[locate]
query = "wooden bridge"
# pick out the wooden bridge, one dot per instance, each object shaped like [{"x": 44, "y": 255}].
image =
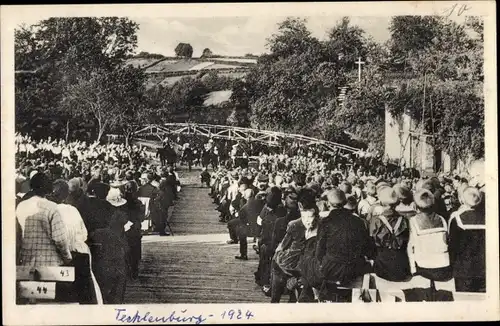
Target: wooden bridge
[{"x": 272, "y": 138}]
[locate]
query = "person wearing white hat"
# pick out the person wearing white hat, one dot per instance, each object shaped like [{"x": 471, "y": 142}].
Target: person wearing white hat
[
  {"x": 115, "y": 198},
  {"x": 467, "y": 244}
]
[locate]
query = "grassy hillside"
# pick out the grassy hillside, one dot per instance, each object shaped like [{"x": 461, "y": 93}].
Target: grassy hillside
[{"x": 167, "y": 70}]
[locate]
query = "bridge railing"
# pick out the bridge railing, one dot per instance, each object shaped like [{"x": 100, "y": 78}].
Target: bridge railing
[{"x": 239, "y": 133}]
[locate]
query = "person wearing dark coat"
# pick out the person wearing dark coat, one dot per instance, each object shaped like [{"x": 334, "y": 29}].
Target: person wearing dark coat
[
  {"x": 285, "y": 263},
  {"x": 243, "y": 221},
  {"x": 205, "y": 178},
  {"x": 148, "y": 190},
  {"x": 109, "y": 256},
  {"x": 94, "y": 208},
  {"x": 135, "y": 211},
  {"x": 251, "y": 211},
  {"x": 281, "y": 224},
  {"x": 160, "y": 206},
  {"x": 172, "y": 181},
  {"x": 188, "y": 156},
  {"x": 343, "y": 244},
  {"x": 467, "y": 244},
  {"x": 234, "y": 224},
  {"x": 272, "y": 211}
]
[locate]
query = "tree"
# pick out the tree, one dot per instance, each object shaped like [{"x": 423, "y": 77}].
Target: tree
[
  {"x": 207, "y": 53},
  {"x": 412, "y": 33},
  {"x": 112, "y": 99},
  {"x": 289, "y": 86},
  {"x": 129, "y": 94},
  {"x": 57, "y": 55},
  {"x": 346, "y": 43},
  {"x": 184, "y": 50},
  {"x": 214, "y": 82},
  {"x": 293, "y": 37},
  {"x": 187, "y": 96},
  {"x": 105, "y": 44},
  {"x": 449, "y": 67}
]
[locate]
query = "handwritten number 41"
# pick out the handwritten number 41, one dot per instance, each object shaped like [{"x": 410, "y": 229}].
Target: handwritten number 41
[{"x": 236, "y": 315}]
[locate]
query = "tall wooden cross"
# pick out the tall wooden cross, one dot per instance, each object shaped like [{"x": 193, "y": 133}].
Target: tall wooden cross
[{"x": 359, "y": 63}]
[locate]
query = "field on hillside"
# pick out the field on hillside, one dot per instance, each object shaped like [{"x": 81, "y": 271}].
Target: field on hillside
[
  {"x": 174, "y": 65},
  {"x": 140, "y": 62},
  {"x": 169, "y": 81},
  {"x": 242, "y": 60},
  {"x": 216, "y": 66}
]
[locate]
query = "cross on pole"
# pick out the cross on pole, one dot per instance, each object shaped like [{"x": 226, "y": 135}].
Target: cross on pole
[{"x": 359, "y": 63}]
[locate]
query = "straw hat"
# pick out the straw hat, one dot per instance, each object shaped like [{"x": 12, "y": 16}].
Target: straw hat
[
  {"x": 471, "y": 197},
  {"x": 387, "y": 196},
  {"x": 424, "y": 199},
  {"x": 115, "y": 198}
]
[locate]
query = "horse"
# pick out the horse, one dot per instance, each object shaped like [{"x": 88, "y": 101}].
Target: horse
[{"x": 167, "y": 155}]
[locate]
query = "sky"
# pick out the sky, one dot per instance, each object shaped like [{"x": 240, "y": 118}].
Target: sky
[{"x": 234, "y": 35}]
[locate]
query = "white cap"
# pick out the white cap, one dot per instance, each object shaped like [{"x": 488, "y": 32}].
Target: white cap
[{"x": 32, "y": 174}]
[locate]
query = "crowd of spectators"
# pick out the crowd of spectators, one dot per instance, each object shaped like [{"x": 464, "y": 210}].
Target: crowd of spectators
[
  {"x": 84, "y": 206},
  {"x": 318, "y": 221},
  {"x": 318, "y": 227}
]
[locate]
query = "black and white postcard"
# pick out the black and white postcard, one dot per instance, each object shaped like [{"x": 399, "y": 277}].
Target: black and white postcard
[{"x": 249, "y": 163}]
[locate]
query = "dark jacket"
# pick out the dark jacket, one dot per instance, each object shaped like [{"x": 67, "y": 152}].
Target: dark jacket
[
  {"x": 467, "y": 245},
  {"x": 248, "y": 214},
  {"x": 135, "y": 214},
  {"x": 391, "y": 261},
  {"x": 343, "y": 243},
  {"x": 269, "y": 217},
  {"x": 148, "y": 191},
  {"x": 95, "y": 212},
  {"x": 238, "y": 202},
  {"x": 159, "y": 206},
  {"x": 280, "y": 226}
]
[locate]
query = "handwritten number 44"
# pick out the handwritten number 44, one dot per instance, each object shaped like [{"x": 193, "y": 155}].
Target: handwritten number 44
[
  {"x": 236, "y": 314},
  {"x": 41, "y": 289}
]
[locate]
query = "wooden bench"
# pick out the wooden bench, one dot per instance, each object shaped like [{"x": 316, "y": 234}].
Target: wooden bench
[
  {"x": 39, "y": 284},
  {"x": 396, "y": 288}
]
